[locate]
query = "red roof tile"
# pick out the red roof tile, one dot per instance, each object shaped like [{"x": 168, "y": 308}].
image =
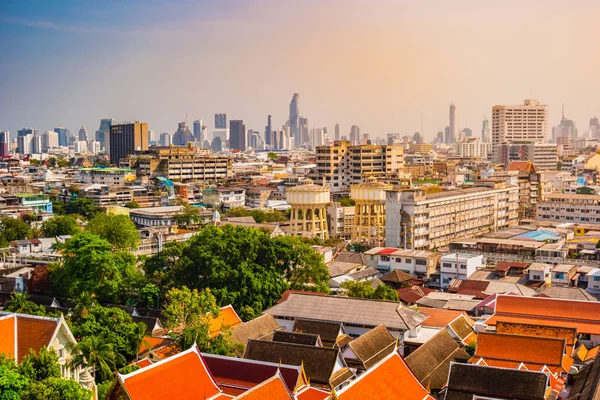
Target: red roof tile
[
  {"x": 505, "y": 265},
  {"x": 227, "y": 318},
  {"x": 34, "y": 333},
  {"x": 387, "y": 250},
  {"x": 273, "y": 389},
  {"x": 312, "y": 393},
  {"x": 7, "y": 335},
  {"x": 440, "y": 318}
]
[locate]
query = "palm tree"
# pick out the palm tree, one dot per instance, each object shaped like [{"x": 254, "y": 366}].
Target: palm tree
[
  {"x": 98, "y": 354},
  {"x": 18, "y": 302}
]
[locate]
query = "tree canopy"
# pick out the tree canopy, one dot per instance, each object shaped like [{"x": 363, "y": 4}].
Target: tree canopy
[
  {"x": 363, "y": 290},
  {"x": 19, "y": 303},
  {"x": 82, "y": 206},
  {"x": 346, "y": 202},
  {"x": 89, "y": 265},
  {"x": 260, "y": 216},
  {"x": 242, "y": 266},
  {"x": 13, "y": 229},
  {"x": 118, "y": 230},
  {"x": 60, "y": 225}
]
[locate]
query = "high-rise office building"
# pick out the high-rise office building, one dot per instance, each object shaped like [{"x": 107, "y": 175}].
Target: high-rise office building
[
  {"x": 102, "y": 133},
  {"x": 83, "y": 136},
  {"x": 565, "y": 132},
  {"x": 4, "y": 143},
  {"x": 151, "y": 137},
  {"x": 127, "y": 138},
  {"x": 594, "y": 127},
  {"x": 294, "y": 121},
  {"x": 198, "y": 131},
  {"x": 338, "y": 132},
  {"x": 268, "y": 132},
  {"x": 354, "y": 135},
  {"x": 49, "y": 140},
  {"x": 63, "y": 134},
  {"x": 220, "y": 121},
  {"x": 165, "y": 139},
  {"x": 525, "y": 123},
  {"x": 485, "y": 130},
  {"x": 417, "y": 138},
  {"x": 183, "y": 135},
  {"x": 237, "y": 135},
  {"x": 452, "y": 124},
  {"x": 26, "y": 131},
  {"x": 24, "y": 144},
  {"x": 303, "y": 129}
]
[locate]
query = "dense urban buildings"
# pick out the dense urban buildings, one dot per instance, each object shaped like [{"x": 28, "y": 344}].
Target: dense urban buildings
[{"x": 126, "y": 139}]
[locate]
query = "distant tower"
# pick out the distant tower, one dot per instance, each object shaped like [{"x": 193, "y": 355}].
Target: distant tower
[
  {"x": 485, "y": 131},
  {"x": 294, "y": 119},
  {"x": 354, "y": 135},
  {"x": 220, "y": 121},
  {"x": 369, "y": 212},
  {"x": 338, "y": 131},
  {"x": 308, "y": 217},
  {"x": 198, "y": 131},
  {"x": 268, "y": 133},
  {"x": 83, "y": 134},
  {"x": 452, "y": 125}
]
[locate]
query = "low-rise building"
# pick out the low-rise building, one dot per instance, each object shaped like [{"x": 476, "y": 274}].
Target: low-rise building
[
  {"x": 340, "y": 220},
  {"x": 458, "y": 266},
  {"x": 564, "y": 275},
  {"x": 107, "y": 176},
  {"x": 565, "y": 207},
  {"x": 226, "y": 197},
  {"x": 420, "y": 263}
]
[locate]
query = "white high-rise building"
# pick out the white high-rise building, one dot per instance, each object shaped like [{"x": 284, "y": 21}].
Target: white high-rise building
[
  {"x": 473, "y": 147},
  {"x": 49, "y": 140},
  {"x": 338, "y": 132},
  {"x": 80, "y": 146},
  {"x": 453, "y": 127},
  {"x": 527, "y": 123}
]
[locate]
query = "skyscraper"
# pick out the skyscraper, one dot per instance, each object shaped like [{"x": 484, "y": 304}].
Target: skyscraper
[
  {"x": 182, "y": 135},
  {"x": 565, "y": 132},
  {"x": 237, "y": 135},
  {"x": 523, "y": 124},
  {"x": 165, "y": 139},
  {"x": 198, "y": 131},
  {"x": 102, "y": 133},
  {"x": 49, "y": 140},
  {"x": 220, "y": 121},
  {"x": 4, "y": 143},
  {"x": 268, "y": 131},
  {"x": 452, "y": 125},
  {"x": 26, "y": 131},
  {"x": 417, "y": 138},
  {"x": 338, "y": 131},
  {"x": 485, "y": 130},
  {"x": 594, "y": 127},
  {"x": 294, "y": 120},
  {"x": 83, "y": 134},
  {"x": 354, "y": 135},
  {"x": 127, "y": 138},
  {"x": 303, "y": 129},
  {"x": 62, "y": 135}
]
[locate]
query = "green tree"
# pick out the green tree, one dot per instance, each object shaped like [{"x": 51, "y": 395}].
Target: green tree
[
  {"x": 260, "y": 216},
  {"x": 148, "y": 296},
  {"x": 113, "y": 326},
  {"x": 346, "y": 202},
  {"x": 13, "y": 229},
  {"x": 98, "y": 354},
  {"x": 52, "y": 162},
  {"x": 12, "y": 382},
  {"x": 60, "y": 225},
  {"x": 57, "y": 389},
  {"x": 19, "y": 303},
  {"x": 40, "y": 366},
  {"x": 272, "y": 155},
  {"x": 358, "y": 289},
  {"x": 384, "y": 292},
  {"x": 58, "y": 207},
  {"x": 89, "y": 265},
  {"x": 188, "y": 217},
  {"x": 189, "y": 308},
  {"x": 82, "y": 206},
  {"x": 118, "y": 230},
  {"x": 132, "y": 204},
  {"x": 242, "y": 266}
]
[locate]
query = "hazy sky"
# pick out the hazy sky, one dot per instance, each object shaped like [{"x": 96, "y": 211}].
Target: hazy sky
[{"x": 378, "y": 64}]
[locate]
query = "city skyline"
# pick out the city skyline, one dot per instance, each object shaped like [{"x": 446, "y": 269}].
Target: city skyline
[{"x": 407, "y": 61}]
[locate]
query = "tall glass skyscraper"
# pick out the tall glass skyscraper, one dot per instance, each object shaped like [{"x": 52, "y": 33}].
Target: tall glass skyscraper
[{"x": 294, "y": 119}]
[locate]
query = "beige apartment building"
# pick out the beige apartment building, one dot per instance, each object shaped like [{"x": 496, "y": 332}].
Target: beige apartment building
[
  {"x": 568, "y": 207},
  {"x": 419, "y": 221},
  {"x": 526, "y": 123},
  {"x": 340, "y": 221},
  {"x": 341, "y": 165},
  {"x": 182, "y": 164}
]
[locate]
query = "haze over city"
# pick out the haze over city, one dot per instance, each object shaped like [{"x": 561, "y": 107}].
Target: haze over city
[{"x": 381, "y": 65}]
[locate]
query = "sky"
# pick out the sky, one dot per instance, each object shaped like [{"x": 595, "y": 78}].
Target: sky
[{"x": 383, "y": 65}]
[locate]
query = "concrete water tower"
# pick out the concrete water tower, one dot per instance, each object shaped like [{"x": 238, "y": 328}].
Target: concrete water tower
[
  {"x": 369, "y": 211},
  {"x": 308, "y": 216}
]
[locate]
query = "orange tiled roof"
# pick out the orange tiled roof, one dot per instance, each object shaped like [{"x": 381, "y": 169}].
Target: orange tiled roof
[
  {"x": 438, "y": 317},
  {"x": 503, "y": 350},
  {"x": 581, "y": 315},
  {"x": 312, "y": 393},
  {"x": 390, "y": 379},
  {"x": 227, "y": 318},
  {"x": 183, "y": 376},
  {"x": 273, "y": 388},
  {"x": 153, "y": 343},
  {"x": 34, "y": 333},
  {"x": 7, "y": 335}
]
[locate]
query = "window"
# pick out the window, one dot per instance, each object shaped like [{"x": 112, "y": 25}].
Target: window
[
  {"x": 372, "y": 257},
  {"x": 558, "y": 276},
  {"x": 597, "y": 278},
  {"x": 537, "y": 277},
  {"x": 421, "y": 262},
  {"x": 447, "y": 265},
  {"x": 463, "y": 266},
  {"x": 385, "y": 258},
  {"x": 408, "y": 261}
]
